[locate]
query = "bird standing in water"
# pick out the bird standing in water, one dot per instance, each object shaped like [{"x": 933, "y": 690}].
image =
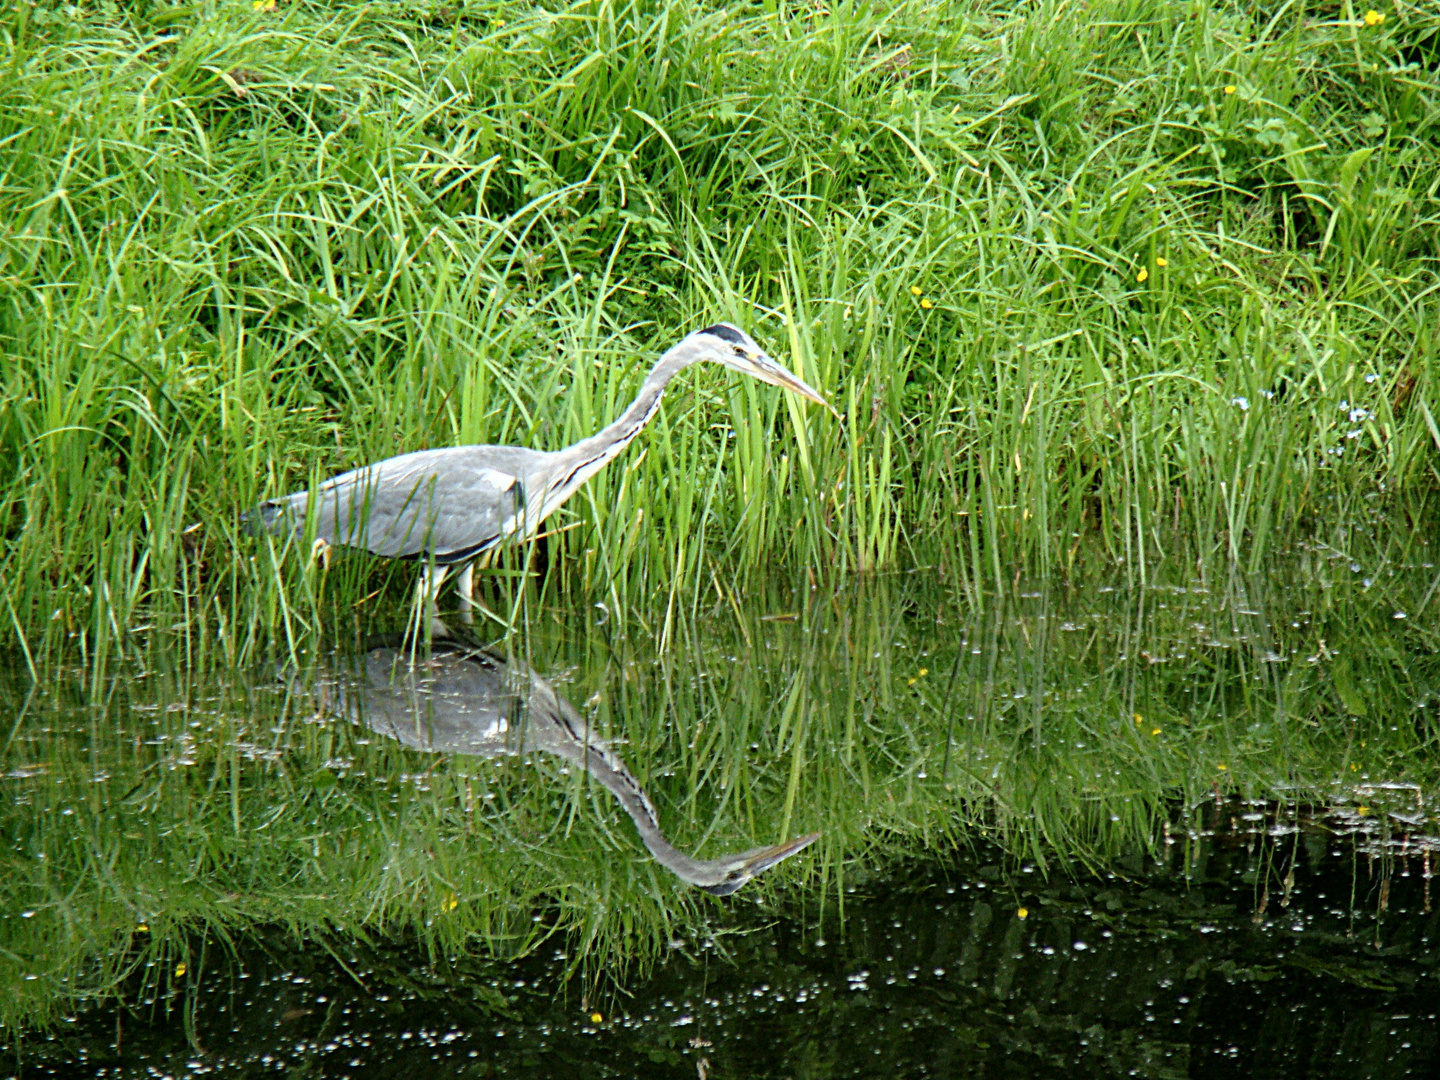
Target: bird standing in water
[{"x": 446, "y": 507}]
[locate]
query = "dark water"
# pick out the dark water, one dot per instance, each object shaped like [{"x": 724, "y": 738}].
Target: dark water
[
  {"x": 1162, "y": 831},
  {"x": 1288, "y": 946},
  {"x": 933, "y": 971}
]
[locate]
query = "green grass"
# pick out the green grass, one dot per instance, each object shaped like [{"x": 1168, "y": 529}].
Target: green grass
[{"x": 242, "y": 250}]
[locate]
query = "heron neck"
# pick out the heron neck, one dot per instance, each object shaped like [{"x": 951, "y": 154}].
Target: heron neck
[
  {"x": 570, "y": 738},
  {"x": 595, "y": 452},
  {"x": 642, "y": 813}
]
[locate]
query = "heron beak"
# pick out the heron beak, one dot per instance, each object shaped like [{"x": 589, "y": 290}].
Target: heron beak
[{"x": 771, "y": 372}]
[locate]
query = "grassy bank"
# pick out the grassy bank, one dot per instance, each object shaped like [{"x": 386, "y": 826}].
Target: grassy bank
[{"x": 1115, "y": 279}]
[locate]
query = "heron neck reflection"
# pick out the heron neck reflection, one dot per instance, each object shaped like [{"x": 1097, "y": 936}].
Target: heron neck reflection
[{"x": 461, "y": 700}]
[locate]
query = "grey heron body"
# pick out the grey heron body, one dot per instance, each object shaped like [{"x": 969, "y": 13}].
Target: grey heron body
[
  {"x": 468, "y": 701},
  {"x": 448, "y": 506}
]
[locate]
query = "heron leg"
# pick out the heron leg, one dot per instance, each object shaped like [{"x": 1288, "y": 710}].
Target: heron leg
[
  {"x": 465, "y": 586},
  {"x": 431, "y": 578},
  {"x": 424, "y": 616}
]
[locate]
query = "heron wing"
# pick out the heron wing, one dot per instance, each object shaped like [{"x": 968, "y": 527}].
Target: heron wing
[{"x": 449, "y": 503}]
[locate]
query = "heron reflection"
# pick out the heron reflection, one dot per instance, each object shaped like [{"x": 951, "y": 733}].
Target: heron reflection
[{"x": 462, "y": 700}]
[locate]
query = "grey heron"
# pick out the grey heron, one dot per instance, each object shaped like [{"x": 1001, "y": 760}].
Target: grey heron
[
  {"x": 461, "y": 700},
  {"x": 447, "y": 506}
]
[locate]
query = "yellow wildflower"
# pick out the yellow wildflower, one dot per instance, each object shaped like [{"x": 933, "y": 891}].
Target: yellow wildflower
[
  {"x": 926, "y": 304},
  {"x": 263, "y": 5},
  {"x": 1373, "y": 18},
  {"x": 1222, "y": 766},
  {"x": 451, "y": 902},
  {"x": 596, "y": 1018},
  {"x": 1142, "y": 275},
  {"x": 1362, "y": 810},
  {"x": 1230, "y": 89},
  {"x": 916, "y": 289},
  {"x": 1161, "y": 263},
  {"x": 1023, "y": 913},
  {"x": 924, "y": 671},
  {"x": 1139, "y": 719},
  {"x": 1155, "y": 731},
  {"x": 179, "y": 969},
  {"x": 142, "y": 929}
]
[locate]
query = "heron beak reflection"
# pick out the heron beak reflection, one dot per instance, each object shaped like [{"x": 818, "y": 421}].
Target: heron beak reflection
[
  {"x": 463, "y": 700},
  {"x": 752, "y": 863}
]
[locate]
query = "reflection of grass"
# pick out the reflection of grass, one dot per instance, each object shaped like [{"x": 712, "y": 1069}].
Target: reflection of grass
[
  {"x": 1081, "y": 279},
  {"x": 200, "y": 806},
  {"x": 1369, "y": 977}
]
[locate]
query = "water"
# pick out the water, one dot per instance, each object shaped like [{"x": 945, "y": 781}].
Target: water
[
  {"x": 933, "y": 972},
  {"x": 1183, "y": 829}
]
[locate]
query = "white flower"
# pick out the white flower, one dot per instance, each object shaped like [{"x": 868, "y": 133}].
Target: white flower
[
  {"x": 1353, "y": 434},
  {"x": 1371, "y": 377},
  {"x": 1359, "y": 415},
  {"x": 1267, "y": 394},
  {"x": 1241, "y": 403}
]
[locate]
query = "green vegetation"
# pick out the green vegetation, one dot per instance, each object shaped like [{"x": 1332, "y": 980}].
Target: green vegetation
[
  {"x": 1137, "y": 288},
  {"x": 1101, "y": 280}
]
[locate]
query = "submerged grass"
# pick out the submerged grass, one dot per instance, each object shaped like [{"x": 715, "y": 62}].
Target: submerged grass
[
  {"x": 175, "y": 807},
  {"x": 1087, "y": 281}
]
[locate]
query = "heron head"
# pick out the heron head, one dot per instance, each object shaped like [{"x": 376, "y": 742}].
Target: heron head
[
  {"x": 731, "y": 346},
  {"x": 723, "y": 876}
]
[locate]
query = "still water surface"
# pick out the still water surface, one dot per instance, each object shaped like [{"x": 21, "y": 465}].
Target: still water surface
[{"x": 1174, "y": 829}]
